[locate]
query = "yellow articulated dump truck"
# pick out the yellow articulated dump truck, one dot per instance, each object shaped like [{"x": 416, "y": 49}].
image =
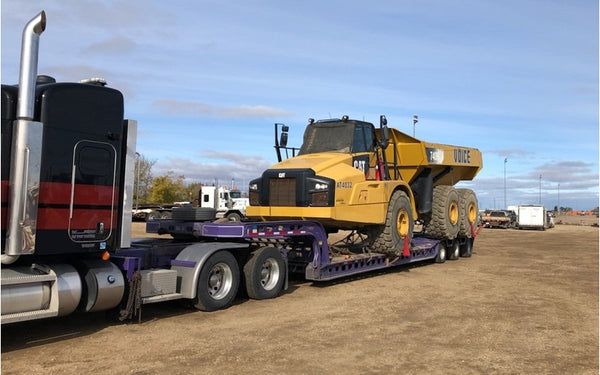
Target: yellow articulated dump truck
[{"x": 379, "y": 182}]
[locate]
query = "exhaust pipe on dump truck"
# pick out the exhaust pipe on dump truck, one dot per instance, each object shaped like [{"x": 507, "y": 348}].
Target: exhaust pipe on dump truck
[{"x": 26, "y": 151}]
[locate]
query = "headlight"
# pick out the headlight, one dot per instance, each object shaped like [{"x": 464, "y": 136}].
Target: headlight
[
  {"x": 319, "y": 186},
  {"x": 253, "y": 186}
]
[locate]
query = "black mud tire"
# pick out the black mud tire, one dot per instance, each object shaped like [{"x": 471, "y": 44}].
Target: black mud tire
[
  {"x": 441, "y": 255},
  {"x": 399, "y": 223},
  {"x": 453, "y": 252},
  {"x": 218, "y": 282},
  {"x": 264, "y": 273},
  {"x": 466, "y": 249},
  {"x": 443, "y": 222},
  {"x": 468, "y": 210}
]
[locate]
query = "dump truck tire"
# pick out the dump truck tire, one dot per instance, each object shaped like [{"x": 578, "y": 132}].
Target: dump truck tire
[
  {"x": 468, "y": 209},
  {"x": 443, "y": 223},
  {"x": 389, "y": 238}
]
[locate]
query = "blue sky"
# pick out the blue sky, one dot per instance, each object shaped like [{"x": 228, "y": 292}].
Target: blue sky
[{"x": 206, "y": 80}]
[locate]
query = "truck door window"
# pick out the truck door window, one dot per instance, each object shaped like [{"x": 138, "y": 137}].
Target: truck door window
[
  {"x": 363, "y": 138},
  {"x": 93, "y": 193}
]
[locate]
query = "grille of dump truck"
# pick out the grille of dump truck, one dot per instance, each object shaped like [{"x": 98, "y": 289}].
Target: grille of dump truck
[
  {"x": 292, "y": 188},
  {"x": 282, "y": 192}
]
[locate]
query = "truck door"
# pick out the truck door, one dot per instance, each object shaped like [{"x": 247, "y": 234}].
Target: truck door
[
  {"x": 93, "y": 192},
  {"x": 363, "y": 157}
]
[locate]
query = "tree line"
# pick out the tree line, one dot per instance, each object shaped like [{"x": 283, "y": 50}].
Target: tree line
[{"x": 161, "y": 189}]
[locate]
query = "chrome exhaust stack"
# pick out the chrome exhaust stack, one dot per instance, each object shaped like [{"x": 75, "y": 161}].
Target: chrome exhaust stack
[{"x": 26, "y": 151}]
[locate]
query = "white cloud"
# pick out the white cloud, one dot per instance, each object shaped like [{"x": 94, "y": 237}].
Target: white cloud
[{"x": 182, "y": 107}]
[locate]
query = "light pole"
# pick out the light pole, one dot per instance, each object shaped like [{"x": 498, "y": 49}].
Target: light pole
[
  {"x": 415, "y": 120},
  {"x": 137, "y": 185},
  {"x": 540, "y": 202},
  {"x": 505, "y": 161}
]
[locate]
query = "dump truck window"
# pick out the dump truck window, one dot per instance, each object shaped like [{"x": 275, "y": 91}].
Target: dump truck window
[
  {"x": 330, "y": 137},
  {"x": 363, "y": 138}
]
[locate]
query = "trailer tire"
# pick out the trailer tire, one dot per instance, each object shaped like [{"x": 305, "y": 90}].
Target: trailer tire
[
  {"x": 441, "y": 255},
  {"x": 218, "y": 282},
  {"x": 466, "y": 249},
  {"x": 234, "y": 217},
  {"x": 454, "y": 252},
  {"x": 443, "y": 222},
  {"x": 264, "y": 273},
  {"x": 399, "y": 224},
  {"x": 468, "y": 210},
  {"x": 153, "y": 215}
]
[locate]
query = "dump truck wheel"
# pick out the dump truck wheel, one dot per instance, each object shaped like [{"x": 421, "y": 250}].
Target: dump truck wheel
[
  {"x": 389, "y": 238},
  {"x": 443, "y": 222},
  {"x": 264, "y": 273},
  {"x": 218, "y": 282},
  {"x": 468, "y": 209}
]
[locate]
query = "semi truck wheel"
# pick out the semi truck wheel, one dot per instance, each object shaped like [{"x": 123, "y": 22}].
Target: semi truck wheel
[
  {"x": 389, "y": 238},
  {"x": 218, "y": 282},
  {"x": 468, "y": 210},
  {"x": 443, "y": 222},
  {"x": 264, "y": 273}
]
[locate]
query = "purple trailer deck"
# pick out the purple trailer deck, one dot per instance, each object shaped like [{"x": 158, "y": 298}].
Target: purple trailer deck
[{"x": 324, "y": 265}]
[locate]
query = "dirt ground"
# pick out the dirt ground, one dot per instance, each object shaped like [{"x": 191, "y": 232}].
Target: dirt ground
[{"x": 525, "y": 303}]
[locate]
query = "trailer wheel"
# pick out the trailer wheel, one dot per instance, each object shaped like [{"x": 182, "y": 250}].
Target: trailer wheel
[
  {"x": 466, "y": 249},
  {"x": 218, "y": 282},
  {"x": 454, "y": 251},
  {"x": 234, "y": 216},
  {"x": 153, "y": 215},
  {"x": 441, "y": 255},
  {"x": 468, "y": 210},
  {"x": 443, "y": 222},
  {"x": 389, "y": 238},
  {"x": 264, "y": 273}
]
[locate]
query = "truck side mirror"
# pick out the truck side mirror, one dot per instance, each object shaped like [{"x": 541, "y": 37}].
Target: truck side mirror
[
  {"x": 384, "y": 133},
  {"x": 284, "y": 137}
]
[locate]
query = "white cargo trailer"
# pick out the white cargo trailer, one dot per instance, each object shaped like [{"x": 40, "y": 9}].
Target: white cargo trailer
[{"x": 531, "y": 216}]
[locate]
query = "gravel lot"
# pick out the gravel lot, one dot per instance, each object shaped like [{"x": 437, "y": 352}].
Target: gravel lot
[{"x": 525, "y": 303}]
